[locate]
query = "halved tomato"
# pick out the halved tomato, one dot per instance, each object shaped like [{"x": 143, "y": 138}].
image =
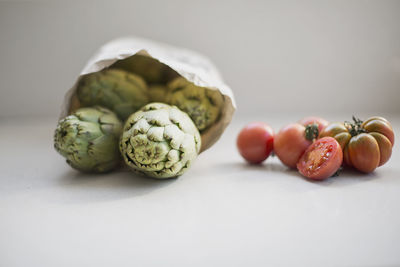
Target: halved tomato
[{"x": 321, "y": 159}]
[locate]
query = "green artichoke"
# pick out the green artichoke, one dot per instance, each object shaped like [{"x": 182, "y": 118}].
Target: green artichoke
[
  {"x": 160, "y": 141},
  {"x": 201, "y": 104},
  {"x": 88, "y": 139},
  {"x": 121, "y": 91}
]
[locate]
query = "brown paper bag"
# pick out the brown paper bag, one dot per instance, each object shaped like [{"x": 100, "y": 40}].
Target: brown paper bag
[{"x": 175, "y": 61}]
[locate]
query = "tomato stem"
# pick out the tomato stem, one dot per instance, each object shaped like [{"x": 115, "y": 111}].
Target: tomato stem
[
  {"x": 355, "y": 127},
  {"x": 311, "y": 132}
]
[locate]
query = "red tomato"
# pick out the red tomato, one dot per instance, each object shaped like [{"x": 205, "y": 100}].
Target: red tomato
[
  {"x": 321, "y": 160},
  {"x": 255, "y": 142},
  {"x": 290, "y": 143},
  {"x": 322, "y": 123}
]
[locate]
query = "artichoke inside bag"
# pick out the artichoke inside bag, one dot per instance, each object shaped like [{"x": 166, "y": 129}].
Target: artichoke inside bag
[
  {"x": 121, "y": 91},
  {"x": 125, "y": 86},
  {"x": 201, "y": 104},
  {"x": 129, "y": 84},
  {"x": 128, "y": 73},
  {"x": 166, "y": 86}
]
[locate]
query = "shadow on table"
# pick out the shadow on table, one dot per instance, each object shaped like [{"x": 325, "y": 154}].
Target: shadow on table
[
  {"x": 243, "y": 167},
  {"x": 346, "y": 177},
  {"x": 74, "y": 186}
]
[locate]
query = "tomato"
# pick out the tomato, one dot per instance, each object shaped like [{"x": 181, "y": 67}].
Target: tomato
[
  {"x": 321, "y": 159},
  {"x": 293, "y": 139},
  {"x": 255, "y": 142},
  {"x": 366, "y": 145},
  {"x": 290, "y": 143},
  {"x": 322, "y": 123}
]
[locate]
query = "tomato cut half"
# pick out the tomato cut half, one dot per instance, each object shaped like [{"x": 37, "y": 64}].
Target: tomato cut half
[{"x": 321, "y": 159}]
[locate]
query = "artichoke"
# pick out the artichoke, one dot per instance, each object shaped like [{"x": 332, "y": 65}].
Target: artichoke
[
  {"x": 121, "y": 91},
  {"x": 201, "y": 104},
  {"x": 88, "y": 139},
  {"x": 160, "y": 141}
]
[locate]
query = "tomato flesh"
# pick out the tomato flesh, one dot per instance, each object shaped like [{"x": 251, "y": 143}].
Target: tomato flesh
[
  {"x": 321, "y": 159},
  {"x": 255, "y": 142}
]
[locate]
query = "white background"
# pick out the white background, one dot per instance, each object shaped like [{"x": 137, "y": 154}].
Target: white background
[
  {"x": 277, "y": 56},
  {"x": 283, "y": 60}
]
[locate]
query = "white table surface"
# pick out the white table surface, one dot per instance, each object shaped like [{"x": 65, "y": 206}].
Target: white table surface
[{"x": 222, "y": 212}]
